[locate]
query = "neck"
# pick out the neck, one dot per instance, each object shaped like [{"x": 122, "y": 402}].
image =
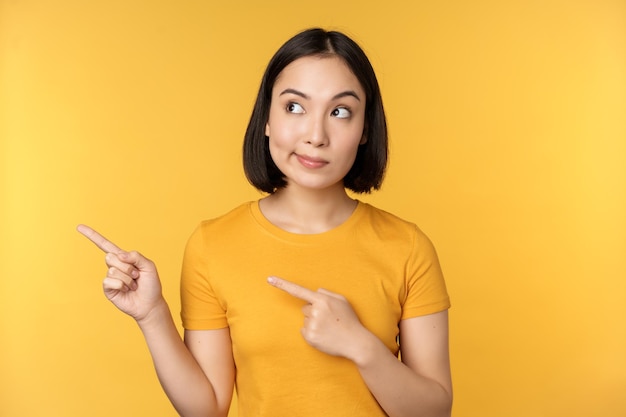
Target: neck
[{"x": 307, "y": 211}]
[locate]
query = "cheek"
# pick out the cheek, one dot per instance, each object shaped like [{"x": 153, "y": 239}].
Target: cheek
[
  {"x": 351, "y": 148},
  {"x": 276, "y": 141},
  {"x": 350, "y": 139},
  {"x": 350, "y": 133},
  {"x": 284, "y": 133},
  {"x": 278, "y": 148}
]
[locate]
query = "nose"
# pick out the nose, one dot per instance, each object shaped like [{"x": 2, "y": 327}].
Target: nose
[{"x": 317, "y": 134}]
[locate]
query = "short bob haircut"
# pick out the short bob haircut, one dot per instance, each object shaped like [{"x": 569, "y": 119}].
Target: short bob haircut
[{"x": 368, "y": 169}]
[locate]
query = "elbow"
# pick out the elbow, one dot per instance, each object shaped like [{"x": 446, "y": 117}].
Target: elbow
[
  {"x": 446, "y": 404},
  {"x": 447, "y": 412},
  {"x": 443, "y": 406}
]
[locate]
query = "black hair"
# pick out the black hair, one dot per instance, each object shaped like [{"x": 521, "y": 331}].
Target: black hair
[{"x": 368, "y": 169}]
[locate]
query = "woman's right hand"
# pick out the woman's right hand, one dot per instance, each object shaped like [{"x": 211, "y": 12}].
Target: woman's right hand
[{"x": 132, "y": 282}]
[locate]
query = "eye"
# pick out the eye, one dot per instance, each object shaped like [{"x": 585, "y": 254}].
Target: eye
[
  {"x": 341, "y": 113},
  {"x": 294, "y": 108}
]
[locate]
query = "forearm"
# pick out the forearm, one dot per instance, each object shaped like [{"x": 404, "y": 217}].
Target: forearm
[
  {"x": 180, "y": 375},
  {"x": 399, "y": 390}
]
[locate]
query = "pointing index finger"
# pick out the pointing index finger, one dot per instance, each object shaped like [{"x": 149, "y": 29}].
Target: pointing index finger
[
  {"x": 293, "y": 289},
  {"x": 99, "y": 240}
]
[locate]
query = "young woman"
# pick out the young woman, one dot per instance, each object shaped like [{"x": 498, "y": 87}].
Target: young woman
[{"x": 305, "y": 299}]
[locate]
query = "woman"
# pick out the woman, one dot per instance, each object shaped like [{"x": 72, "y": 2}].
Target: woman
[{"x": 299, "y": 298}]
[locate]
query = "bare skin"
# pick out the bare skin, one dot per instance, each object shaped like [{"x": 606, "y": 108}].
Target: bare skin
[{"x": 198, "y": 374}]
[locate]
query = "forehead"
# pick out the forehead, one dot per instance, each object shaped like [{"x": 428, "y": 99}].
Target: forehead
[{"x": 314, "y": 74}]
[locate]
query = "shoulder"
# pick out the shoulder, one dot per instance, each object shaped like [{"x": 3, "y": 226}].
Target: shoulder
[
  {"x": 222, "y": 226},
  {"x": 229, "y": 219},
  {"x": 376, "y": 212},
  {"x": 385, "y": 221},
  {"x": 394, "y": 230}
]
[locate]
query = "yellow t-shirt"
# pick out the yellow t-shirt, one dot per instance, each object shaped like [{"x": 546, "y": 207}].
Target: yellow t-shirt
[{"x": 386, "y": 268}]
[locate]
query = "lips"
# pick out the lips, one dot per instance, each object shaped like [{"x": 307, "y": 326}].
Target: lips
[{"x": 311, "y": 161}]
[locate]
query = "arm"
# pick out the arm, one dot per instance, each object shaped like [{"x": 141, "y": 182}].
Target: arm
[
  {"x": 419, "y": 386},
  {"x": 197, "y": 376}
]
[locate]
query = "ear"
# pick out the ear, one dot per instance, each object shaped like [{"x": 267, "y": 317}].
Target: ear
[
  {"x": 267, "y": 129},
  {"x": 363, "y": 140}
]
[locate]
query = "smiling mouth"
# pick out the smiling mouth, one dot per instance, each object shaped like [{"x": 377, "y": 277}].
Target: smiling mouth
[{"x": 311, "y": 162}]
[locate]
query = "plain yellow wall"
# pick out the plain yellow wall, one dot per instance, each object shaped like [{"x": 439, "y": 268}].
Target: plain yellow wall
[{"x": 508, "y": 131}]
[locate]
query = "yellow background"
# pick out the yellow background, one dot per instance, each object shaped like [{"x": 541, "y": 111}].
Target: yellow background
[{"x": 508, "y": 136}]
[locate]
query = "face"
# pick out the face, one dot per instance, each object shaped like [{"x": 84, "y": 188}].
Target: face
[{"x": 316, "y": 122}]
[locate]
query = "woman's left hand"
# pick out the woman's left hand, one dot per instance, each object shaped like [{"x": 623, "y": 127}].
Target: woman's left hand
[{"x": 330, "y": 323}]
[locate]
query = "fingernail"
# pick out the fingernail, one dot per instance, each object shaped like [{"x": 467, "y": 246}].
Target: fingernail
[
  {"x": 134, "y": 273},
  {"x": 271, "y": 280}
]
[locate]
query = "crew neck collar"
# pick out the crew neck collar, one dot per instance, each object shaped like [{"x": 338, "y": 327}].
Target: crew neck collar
[{"x": 271, "y": 228}]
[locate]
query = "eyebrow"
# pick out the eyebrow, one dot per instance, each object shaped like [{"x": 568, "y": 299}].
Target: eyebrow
[{"x": 348, "y": 93}]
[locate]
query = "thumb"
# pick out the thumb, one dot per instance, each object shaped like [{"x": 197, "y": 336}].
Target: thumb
[{"x": 138, "y": 260}]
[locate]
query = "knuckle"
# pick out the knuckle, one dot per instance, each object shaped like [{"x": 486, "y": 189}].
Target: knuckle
[
  {"x": 324, "y": 303},
  {"x": 110, "y": 284}
]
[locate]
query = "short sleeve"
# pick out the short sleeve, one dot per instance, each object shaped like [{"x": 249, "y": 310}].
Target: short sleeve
[
  {"x": 200, "y": 306},
  {"x": 426, "y": 291}
]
